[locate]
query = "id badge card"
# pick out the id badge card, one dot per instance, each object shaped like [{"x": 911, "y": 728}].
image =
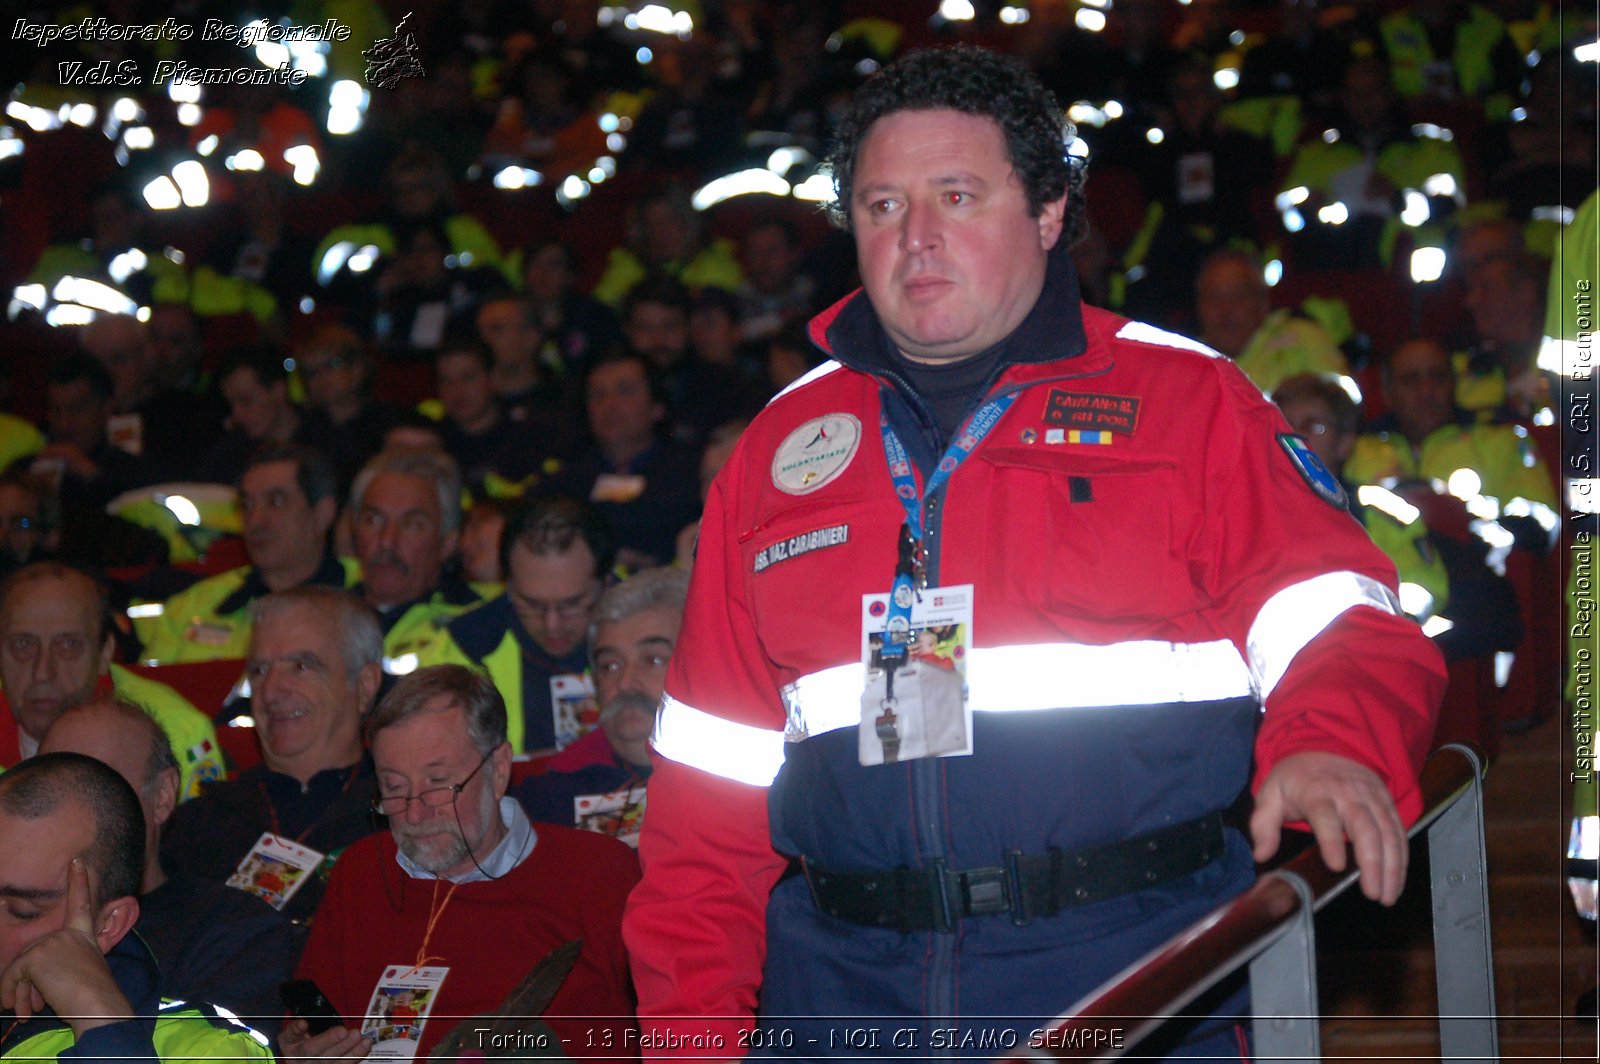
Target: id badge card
[
  {"x": 275, "y": 869},
  {"x": 208, "y": 633},
  {"x": 574, "y": 707},
  {"x": 399, "y": 1010},
  {"x": 125, "y": 432},
  {"x": 922, "y": 710},
  {"x": 617, "y": 487},
  {"x": 620, "y": 816}
]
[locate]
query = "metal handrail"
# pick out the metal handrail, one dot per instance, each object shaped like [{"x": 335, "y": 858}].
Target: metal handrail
[{"x": 1269, "y": 926}]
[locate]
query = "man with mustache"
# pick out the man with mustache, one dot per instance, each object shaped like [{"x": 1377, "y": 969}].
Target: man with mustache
[
  {"x": 598, "y": 782},
  {"x": 314, "y": 672},
  {"x": 405, "y": 507}
]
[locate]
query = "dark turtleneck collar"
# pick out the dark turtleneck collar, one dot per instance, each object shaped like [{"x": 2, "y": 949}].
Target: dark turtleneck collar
[{"x": 1052, "y": 330}]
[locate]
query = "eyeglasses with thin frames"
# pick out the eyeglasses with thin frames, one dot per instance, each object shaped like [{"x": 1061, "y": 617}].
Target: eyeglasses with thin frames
[{"x": 432, "y": 798}]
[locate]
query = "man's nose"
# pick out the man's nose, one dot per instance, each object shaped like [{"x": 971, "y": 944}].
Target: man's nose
[
  {"x": 44, "y": 664},
  {"x": 416, "y": 812},
  {"x": 631, "y": 679},
  {"x": 920, "y": 229}
]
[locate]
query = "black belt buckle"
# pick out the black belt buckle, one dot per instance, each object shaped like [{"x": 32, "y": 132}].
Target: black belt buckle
[{"x": 985, "y": 891}]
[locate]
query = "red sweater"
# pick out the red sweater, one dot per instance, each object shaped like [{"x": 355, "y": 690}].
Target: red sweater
[{"x": 491, "y": 934}]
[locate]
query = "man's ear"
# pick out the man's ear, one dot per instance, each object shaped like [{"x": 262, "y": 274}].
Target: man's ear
[
  {"x": 166, "y": 797},
  {"x": 1051, "y": 221},
  {"x": 368, "y": 681},
  {"x": 108, "y": 654},
  {"x": 500, "y": 765},
  {"x": 115, "y": 919}
]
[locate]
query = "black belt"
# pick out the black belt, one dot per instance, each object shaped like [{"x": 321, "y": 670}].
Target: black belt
[{"x": 935, "y": 898}]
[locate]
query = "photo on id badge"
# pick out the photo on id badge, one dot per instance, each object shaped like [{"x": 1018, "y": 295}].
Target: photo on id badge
[
  {"x": 915, "y": 703},
  {"x": 399, "y": 1010},
  {"x": 619, "y": 814},
  {"x": 574, "y": 707},
  {"x": 275, "y": 869}
]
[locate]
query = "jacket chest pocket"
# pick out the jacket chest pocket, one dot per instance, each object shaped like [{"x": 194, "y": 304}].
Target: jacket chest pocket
[
  {"x": 807, "y": 567},
  {"x": 1081, "y": 536}
]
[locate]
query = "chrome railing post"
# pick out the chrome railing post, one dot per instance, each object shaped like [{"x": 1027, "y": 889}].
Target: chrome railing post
[
  {"x": 1462, "y": 957},
  {"x": 1283, "y": 987}
]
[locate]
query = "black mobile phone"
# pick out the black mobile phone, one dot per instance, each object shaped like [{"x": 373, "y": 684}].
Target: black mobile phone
[{"x": 305, "y": 999}]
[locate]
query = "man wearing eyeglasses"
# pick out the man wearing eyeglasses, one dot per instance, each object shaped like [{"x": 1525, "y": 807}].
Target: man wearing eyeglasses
[
  {"x": 406, "y": 510},
  {"x": 556, "y": 553},
  {"x": 598, "y": 783},
  {"x": 463, "y": 892},
  {"x": 314, "y": 673}
]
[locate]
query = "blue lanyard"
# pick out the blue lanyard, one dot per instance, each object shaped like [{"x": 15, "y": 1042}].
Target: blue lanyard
[{"x": 902, "y": 592}]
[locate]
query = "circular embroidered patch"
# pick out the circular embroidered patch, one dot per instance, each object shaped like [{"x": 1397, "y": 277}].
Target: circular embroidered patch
[{"x": 815, "y": 453}]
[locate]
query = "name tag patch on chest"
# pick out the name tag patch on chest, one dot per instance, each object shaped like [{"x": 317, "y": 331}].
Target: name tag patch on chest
[
  {"x": 793, "y": 547},
  {"x": 1091, "y": 417}
]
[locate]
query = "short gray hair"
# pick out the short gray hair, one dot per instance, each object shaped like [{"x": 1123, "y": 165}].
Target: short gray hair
[
  {"x": 425, "y": 463},
  {"x": 469, "y": 689},
  {"x": 664, "y": 587},
  {"x": 360, "y": 633}
]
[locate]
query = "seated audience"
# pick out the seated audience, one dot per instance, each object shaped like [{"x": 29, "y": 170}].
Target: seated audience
[
  {"x": 406, "y": 507},
  {"x": 56, "y": 644},
  {"x": 340, "y": 418},
  {"x": 72, "y": 845},
  {"x": 514, "y": 894},
  {"x": 480, "y": 541},
  {"x": 775, "y": 294},
  {"x": 213, "y": 943},
  {"x": 1425, "y": 435},
  {"x": 598, "y": 783},
  {"x": 29, "y": 529},
  {"x": 261, "y": 412},
  {"x": 489, "y": 447},
  {"x": 87, "y": 467},
  {"x": 531, "y": 392},
  {"x": 288, "y": 501},
  {"x": 646, "y": 487},
  {"x": 1236, "y": 317},
  {"x": 1497, "y": 377},
  {"x": 576, "y": 326},
  {"x": 277, "y": 829},
  {"x": 667, "y": 236},
  {"x": 1443, "y": 568},
  {"x": 556, "y": 553}
]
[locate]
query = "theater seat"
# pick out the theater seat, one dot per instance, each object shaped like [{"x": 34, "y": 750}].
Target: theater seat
[{"x": 207, "y": 684}]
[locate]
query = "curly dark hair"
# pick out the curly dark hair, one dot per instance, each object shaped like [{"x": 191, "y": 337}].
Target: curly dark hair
[{"x": 973, "y": 81}]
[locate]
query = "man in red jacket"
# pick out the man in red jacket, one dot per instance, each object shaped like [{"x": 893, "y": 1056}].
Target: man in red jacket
[{"x": 1149, "y": 586}]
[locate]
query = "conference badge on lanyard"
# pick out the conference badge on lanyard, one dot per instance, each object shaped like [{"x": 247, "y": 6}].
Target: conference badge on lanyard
[
  {"x": 399, "y": 1010},
  {"x": 275, "y": 868},
  {"x": 915, "y": 703}
]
